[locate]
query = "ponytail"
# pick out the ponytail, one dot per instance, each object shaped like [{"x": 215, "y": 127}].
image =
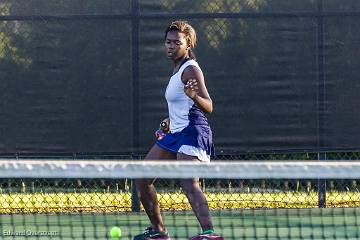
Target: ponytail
[{"x": 191, "y": 54}]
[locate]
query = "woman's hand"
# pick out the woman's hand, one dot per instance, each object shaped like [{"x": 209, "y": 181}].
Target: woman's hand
[
  {"x": 191, "y": 88},
  {"x": 163, "y": 129},
  {"x": 165, "y": 125}
]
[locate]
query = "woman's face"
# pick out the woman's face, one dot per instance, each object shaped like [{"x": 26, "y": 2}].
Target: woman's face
[{"x": 175, "y": 45}]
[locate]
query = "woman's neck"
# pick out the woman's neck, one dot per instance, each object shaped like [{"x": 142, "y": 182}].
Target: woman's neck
[{"x": 180, "y": 61}]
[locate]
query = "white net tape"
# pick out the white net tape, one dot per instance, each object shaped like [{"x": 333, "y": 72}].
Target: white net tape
[{"x": 176, "y": 169}]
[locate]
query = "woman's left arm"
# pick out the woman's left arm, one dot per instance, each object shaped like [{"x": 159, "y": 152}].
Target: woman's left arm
[{"x": 195, "y": 88}]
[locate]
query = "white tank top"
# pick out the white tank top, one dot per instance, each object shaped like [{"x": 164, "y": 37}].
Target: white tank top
[{"x": 179, "y": 104}]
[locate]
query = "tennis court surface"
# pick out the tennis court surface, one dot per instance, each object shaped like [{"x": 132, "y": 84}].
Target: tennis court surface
[{"x": 52, "y": 199}]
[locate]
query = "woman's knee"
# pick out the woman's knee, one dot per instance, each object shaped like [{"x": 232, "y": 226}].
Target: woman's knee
[
  {"x": 143, "y": 183},
  {"x": 189, "y": 185}
]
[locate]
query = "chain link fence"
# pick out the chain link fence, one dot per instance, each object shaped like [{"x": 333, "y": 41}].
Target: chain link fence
[
  {"x": 94, "y": 195},
  {"x": 111, "y": 195},
  {"x": 63, "y": 93},
  {"x": 76, "y": 72}
]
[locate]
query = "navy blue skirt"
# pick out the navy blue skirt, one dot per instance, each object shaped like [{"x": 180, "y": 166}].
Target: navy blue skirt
[{"x": 198, "y": 136}]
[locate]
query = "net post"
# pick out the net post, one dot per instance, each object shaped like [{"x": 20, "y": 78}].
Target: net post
[{"x": 321, "y": 185}]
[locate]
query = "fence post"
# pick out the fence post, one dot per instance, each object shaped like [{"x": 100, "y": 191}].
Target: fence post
[
  {"x": 321, "y": 99},
  {"x": 321, "y": 185},
  {"x": 135, "y": 201},
  {"x": 135, "y": 22}
]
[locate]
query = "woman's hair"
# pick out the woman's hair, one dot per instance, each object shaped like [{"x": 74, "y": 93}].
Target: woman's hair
[{"x": 189, "y": 32}]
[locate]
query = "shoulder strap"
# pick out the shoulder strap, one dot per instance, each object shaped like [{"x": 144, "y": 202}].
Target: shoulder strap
[{"x": 188, "y": 63}]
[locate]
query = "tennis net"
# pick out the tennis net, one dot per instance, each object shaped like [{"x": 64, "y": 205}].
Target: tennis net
[{"x": 84, "y": 199}]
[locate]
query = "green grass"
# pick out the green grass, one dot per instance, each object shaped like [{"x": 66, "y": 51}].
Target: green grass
[
  {"x": 333, "y": 223},
  {"x": 280, "y": 215}
]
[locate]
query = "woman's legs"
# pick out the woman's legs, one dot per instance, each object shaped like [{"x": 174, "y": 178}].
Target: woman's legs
[
  {"x": 147, "y": 190},
  {"x": 196, "y": 197}
]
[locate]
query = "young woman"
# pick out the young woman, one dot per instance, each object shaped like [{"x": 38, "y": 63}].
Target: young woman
[{"x": 189, "y": 138}]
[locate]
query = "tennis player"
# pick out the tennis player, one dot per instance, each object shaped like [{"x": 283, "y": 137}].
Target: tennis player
[{"x": 189, "y": 138}]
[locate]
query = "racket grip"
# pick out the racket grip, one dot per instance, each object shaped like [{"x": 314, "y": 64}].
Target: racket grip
[{"x": 159, "y": 134}]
